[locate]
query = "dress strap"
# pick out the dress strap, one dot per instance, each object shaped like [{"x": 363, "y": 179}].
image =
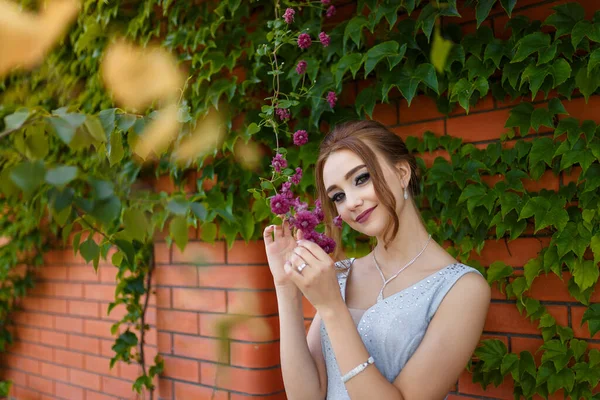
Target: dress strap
[{"x": 343, "y": 270}]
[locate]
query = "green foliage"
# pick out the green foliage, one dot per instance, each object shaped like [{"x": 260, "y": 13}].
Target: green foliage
[{"x": 73, "y": 166}]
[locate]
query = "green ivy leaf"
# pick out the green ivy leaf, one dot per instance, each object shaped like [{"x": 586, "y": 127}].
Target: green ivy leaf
[
  {"x": 565, "y": 17},
  {"x": 390, "y": 50},
  {"x": 247, "y": 226},
  {"x": 106, "y": 211},
  {"x": 542, "y": 150},
  {"x": 16, "y": 120},
  {"x": 115, "y": 148},
  {"x": 587, "y": 84},
  {"x": 532, "y": 270},
  {"x": 541, "y": 116},
  {"x": 546, "y": 213},
  {"x": 136, "y": 224},
  {"x": 495, "y": 51},
  {"x": 491, "y": 352},
  {"x": 351, "y": 61},
  {"x": 586, "y": 273},
  {"x": 426, "y": 20},
  {"x": 557, "y": 353},
  {"x": 95, "y": 128},
  {"x": 89, "y": 249},
  {"x": 28, "y": 176},
  {"x": 178, "y": 229},
  {"x": 440, "y": 50},
  {"x": 199, "y": 210},
  {"x": 483, "y": 10},
  {"x": 510, "y": 363},
  {"x": 354, "y": 29},
  {"x": 579, "y": 31},
  {"x": 537, "y": 42},
  {"x": 520, "y": 117},
  {"x": 498, "y": 271},
  {"x": 508, "y": 6},
  {"x": 578, "y": 347},
  {"x": 565, "y": 378},
  {"x": 208, "y": 232},
  {"x": 366, "y": 100},
  {"x": 62, "y": 175},
  {"x": 555, "y": 106},
  {"x": 107, "y": 119},
  {"x": 178, "y": 206}
]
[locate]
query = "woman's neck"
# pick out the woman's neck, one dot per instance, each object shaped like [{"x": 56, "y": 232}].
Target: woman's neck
[{"x": 408, "y": 243}]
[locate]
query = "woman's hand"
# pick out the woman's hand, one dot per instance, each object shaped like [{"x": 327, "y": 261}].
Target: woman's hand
[
  {"x": 317, "y": 281},
  {"x": 279, "y": 244}
]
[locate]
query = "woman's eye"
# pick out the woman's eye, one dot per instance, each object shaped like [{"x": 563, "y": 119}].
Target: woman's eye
[
  {"x": 362, "y": 178},
  {"x": 337, "y": 197}
]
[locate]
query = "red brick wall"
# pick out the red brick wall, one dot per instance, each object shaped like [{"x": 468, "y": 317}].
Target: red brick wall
[{"x": 63, "y": 341}]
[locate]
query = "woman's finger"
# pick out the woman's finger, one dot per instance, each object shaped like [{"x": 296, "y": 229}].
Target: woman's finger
[
  {"x": 287, "y": 229},
  {"x": 299, "y": 235},
  {"x": 268, "y": 234},
  {"x": 306, "y": 255},
  {"x": 278, "y": 231},
  {"x": 293, "y": 274},
  {"x": 314, "y": 249}
]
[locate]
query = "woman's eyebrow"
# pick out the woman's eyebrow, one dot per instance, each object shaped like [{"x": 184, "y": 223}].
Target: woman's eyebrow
[{"x": 348, "y": 175}]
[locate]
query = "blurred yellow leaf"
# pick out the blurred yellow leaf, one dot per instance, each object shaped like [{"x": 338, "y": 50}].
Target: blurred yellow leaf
[
  {"x": 208, "y": 135},
  {"x": 137, "y": 76},
  {"x": 159, "y": 133},
  {"x": 248, "y": 155},
  {"x": 25, "y": 37},
  {"x": 440, "y": 49}
]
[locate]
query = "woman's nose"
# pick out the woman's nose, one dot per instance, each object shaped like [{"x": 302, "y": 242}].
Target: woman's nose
[{"x": 354, "y": 201}]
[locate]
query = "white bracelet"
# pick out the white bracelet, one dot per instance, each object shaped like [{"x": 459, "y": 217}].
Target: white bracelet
[{"x": 357, "y": 370}]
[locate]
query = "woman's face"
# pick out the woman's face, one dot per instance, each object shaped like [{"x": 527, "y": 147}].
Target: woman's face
[{"x": 349, "y": 186}]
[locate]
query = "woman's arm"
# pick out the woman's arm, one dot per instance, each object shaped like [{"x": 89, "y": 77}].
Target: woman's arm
[
  {"x": 303, "y": 368},
  {"x": 444, "y": 352}
]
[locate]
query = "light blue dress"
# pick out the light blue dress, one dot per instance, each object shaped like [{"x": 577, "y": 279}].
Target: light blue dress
[{"x": 393, "y": 328}]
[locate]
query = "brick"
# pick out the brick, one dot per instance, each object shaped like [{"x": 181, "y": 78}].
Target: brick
[
  {"x": 176, "y": 275},
  {"x": 116, "y": 314},
  {"x": 163, "y": 297},
  {"x": 551, "y": 288},
  {"x": 200, "y": 348},
  {"x": 99, "y": 292},
  {"x": 68, "y": 324},
  {"x": 506, "y": 318},
  {"x": 181, "y": 369},
  {"x": 117, "y": 387},
  {"x": 386, "y": 113},
  {"x": 477, "y": 127},
  {"x": 131, "y": 371},
  {"x": 422, "y": 108},
  {"x": 83, "y": 274},
  {"x": 97, "y": 328},
  {"x": 484, "y": 104},
  {"x": 108, "y": 274},
  {"x": 84, "y": 344},
  {"x": 418, "y": 129},
  {"x": 40, "y": 384},
  {"x": 52, "y": 273},
  {"x": 162, "y": 253},
  {"x": 68, "y": 358},
  {"x": 69, "y": 290},
  {"x": 68, "y": 391},
  {"x": 248, "y": 381},
  {"x": 62, "y": 257},
  {"x": 24, "y": 364},
  {"x": 27, "y": 394},
  {"x": 91, "y": 395},
  {"x": 254, "y": 355},
  {"x": 54, "y": 371},
  {"x": 106, "y": 347},
  {"x": 177, "y": 321},
  {"x": 85, "y": 379},
  {"x": 189, "y": 391},
  {"x": 28, "y": 334},
  {"x": 44, "y": 304},
  {"x": 532, "y": 345},
  {"x": 199, "y": 300},
  {"x": 165, "y": 342},
  {"x": 252, "y": 252},
  {"x": 578, "y": 108},
  {"x": 84, "y": 308},
  {"x": 42, "y": 288},
  {"x": 33, "y": 319},
  {"x": 17, "y": 377},
  {"x": 53, "y": 338},
  {"x": 252, "y": 329},
  {"x": 200, "y": 253},
  {"x": 516, "y": 253},
  {"x": 166, "y": 390},
  {"x": 251, "y": 303},
  {"x": 238, "y": 277}
]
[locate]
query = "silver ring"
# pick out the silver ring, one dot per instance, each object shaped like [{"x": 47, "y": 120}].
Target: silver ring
[{"x": 301, "y": 267}]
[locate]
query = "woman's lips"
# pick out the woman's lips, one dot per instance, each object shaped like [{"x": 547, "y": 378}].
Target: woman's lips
[{"x": 365, "y": 215}]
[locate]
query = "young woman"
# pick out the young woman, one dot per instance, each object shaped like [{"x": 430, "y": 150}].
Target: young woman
[{"x": 399, "y": 323}]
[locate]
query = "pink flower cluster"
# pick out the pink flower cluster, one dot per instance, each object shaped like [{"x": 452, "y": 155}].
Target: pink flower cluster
[
  {"x": 331, "y": 99},
  {"x": 300, "y": 137},
  {"x": 325, "y": 39},
  {"x": 304, "y": 41},
  {"x": 288, "y": 16},
  {"x": 301, "y": 67},
  {"x": 283, "y": 113}
]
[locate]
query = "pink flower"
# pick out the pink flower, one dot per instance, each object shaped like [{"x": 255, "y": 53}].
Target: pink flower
[
  {"x": 278, "y": 162},
  {"x": 301, "y": 67},
  {"x": 325, "y": 2},
  {"x": 283, "y": 113},
  {"x": 300, "y": 137},
  {"x": 280, "y": 204},
  {"x": 304, "y": 41},
  {"x": 288, "y": 16},
  {"x": 325, "y": 242},
  {"x": 295, "y": 179},
  {"x": 286, "y": 190},
  {"x": 330, "y": 12},
  {"x": 337, "y": 221},
  {"x": 305, "y": 221},
  {"x": 299, "y": 205},
  {"x": 331, "y": 99},
  {"x": 325, "y": 39}
]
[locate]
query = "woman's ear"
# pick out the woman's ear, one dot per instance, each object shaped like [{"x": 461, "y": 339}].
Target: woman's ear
[{"x": 404, "y": 171}]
